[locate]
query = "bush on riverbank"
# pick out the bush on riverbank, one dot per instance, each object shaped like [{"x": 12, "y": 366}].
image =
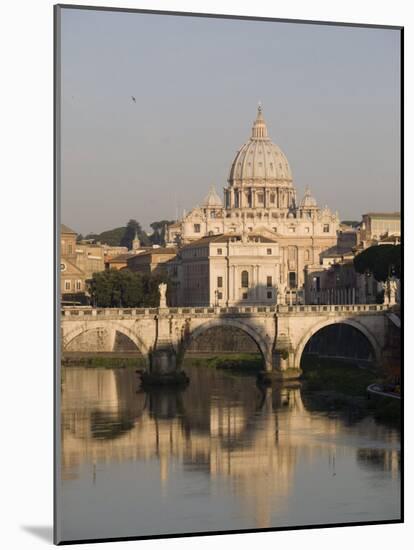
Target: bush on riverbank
[
  {"x": 336, "y": 375},
  {"x": 341, "y": 386},
  {"x": 241, "y": 362},
  {"x": 106, "y": 362}
]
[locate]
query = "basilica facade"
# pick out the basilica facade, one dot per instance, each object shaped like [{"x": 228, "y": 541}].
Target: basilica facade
[{"x": 260, "y": 202}]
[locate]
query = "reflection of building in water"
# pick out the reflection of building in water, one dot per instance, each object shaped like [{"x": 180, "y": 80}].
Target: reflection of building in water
[
  {"x": 381, "y": 459},
  {"x": 225, "y": 426}
]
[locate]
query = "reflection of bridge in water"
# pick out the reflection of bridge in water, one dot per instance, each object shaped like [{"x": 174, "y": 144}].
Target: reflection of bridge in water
[
  {"x": 280, "y": 332},
  {"x": 227, "y": 427}
]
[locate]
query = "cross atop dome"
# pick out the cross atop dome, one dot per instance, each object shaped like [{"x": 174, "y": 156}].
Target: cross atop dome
[{"x": 259, "y": 130}]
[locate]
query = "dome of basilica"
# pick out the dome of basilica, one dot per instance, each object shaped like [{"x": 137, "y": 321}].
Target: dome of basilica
[
  {"x": 212, "y": 199},
  {"x": 308, "y": 200},
  {"x": 259, "y": 159}
]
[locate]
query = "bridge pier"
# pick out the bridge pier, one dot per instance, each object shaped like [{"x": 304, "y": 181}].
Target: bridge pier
[
  {"x": 279, "y": 367},
  {"x": 164, "y": 368}
]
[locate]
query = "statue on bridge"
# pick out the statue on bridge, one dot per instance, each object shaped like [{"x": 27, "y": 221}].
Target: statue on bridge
[
  {"x": 163, "y": 291},
  {"x": 392, "y": 291}
]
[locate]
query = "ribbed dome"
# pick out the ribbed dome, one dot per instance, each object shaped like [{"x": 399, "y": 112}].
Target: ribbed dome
[
  {"x": 308, "y": 200},
  {"x": 259, "y": 158},
  {"x": 212, "y": 199}
]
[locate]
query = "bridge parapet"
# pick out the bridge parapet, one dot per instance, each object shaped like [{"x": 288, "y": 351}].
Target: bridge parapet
[
  {"x": 315, "y": 310},
  {"x": 75, "y": 312}
]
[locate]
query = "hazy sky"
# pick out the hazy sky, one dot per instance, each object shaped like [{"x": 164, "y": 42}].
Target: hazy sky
[{"x": 330, "y": 95}]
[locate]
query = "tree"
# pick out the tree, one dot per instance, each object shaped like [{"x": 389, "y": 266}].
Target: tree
[
  {"x": 124, "y": 288},
  {"x": 132, "y": 228},
  {"x": 382, "y": 261},
  {"x": 159, "y": 231}
]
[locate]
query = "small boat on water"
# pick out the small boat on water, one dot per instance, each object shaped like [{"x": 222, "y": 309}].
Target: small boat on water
[{"x": 385, "y": 390}]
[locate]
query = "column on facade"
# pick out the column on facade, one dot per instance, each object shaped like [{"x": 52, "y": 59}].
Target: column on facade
[
  {"x": 233, "y": 285},
  {"x": 257, "y": 282}
]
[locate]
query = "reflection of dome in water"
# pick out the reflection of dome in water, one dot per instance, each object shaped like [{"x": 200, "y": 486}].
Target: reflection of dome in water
[{"x": 260, "y": 159}]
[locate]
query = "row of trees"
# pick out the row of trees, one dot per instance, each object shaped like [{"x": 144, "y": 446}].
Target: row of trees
[
  {"x": 123, "y": 236},
  {"x": 382, "y": 261},
  {"x": 124, "y": 288}
]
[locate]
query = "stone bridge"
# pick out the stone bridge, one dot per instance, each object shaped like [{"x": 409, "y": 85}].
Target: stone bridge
[{"x": 280, "y": 332}]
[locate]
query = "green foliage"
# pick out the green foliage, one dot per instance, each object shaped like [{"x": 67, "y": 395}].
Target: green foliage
[
  {"x": 244, "y": 362},
  {"x": 158, "y": 228},
  {"x": 336, "y": 375},
  {"x": 112, "y": 236},
  {"x": 381, "y": 260},
  {"x": 121, "y": 236},
  {"x": 124, "y": 288},
  {"x": 129, "y": 234}
]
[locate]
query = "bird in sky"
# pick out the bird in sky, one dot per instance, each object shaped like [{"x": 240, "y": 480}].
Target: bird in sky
[{"x": 133, "y": 99}]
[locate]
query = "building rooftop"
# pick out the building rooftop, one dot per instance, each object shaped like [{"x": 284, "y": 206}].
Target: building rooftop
[
  {"x": 154, "y": 252},
  {"x": 121, "y": 258},
  {"x": 65, "y": 229},
  {"x": 383, "y": 214},
  {"x": 226, "y": 237}
]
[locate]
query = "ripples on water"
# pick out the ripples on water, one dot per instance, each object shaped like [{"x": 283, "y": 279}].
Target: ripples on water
[{"x": 221, "y": 454}]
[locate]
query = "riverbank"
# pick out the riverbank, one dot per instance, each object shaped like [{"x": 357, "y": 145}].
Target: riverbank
[
  {"x": 242, "y": 363},
  {"x": 107, "y": 360},
  {"x": 341, "y": 386}
]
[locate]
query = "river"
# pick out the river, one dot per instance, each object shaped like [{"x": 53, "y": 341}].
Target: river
[{"x": 222, "y": 454}]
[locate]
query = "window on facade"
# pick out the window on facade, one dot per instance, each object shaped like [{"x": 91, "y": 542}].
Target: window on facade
[
  {"x": 269, "y": 295},
  {"x": 292, "y": 279},
  {"x": 260, "y": 197},
  {"x": 269, "y": 281},
  {"x": 219, "y": 251},
  {"x": 272, "y": 197},
  {"x": 67, "y": 285},
  {"x": 219, "y": 282},
  {"x": 78, "y": 285},
  {"x": 219, "y": 295},
  {"x": 306, "y": 229},
  {"x": 245, "y": 279},
  {"x": 212, "y": 214},
  {"x": 292, "y": 229},
  {"x": 244, "y": 295},
  {"x": 70, "y": 249},
  {"x": 269, "y": 251},
  {"x": 250, "y": 228},
  {"x": 326, "y": 227},
  {"x": 307, "y": 255},
  {"x": 197, "y": 228},
  {"x": 274, "y": 229}
]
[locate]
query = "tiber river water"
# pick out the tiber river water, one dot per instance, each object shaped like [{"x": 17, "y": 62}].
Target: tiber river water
[{"x": 223, "y": 454}]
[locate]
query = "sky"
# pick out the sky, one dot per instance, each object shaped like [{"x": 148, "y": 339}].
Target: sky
[{"x": 330, "y": 96}]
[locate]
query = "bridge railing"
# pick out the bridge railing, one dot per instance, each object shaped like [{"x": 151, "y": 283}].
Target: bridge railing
[{"x": 72, "y": 312}]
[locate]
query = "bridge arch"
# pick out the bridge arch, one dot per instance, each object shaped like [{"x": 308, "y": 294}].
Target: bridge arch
[
  {"x": 263, "y": 344},
  {"x": 112, "y": 328},
  {"x": 351, "y": 322}
]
